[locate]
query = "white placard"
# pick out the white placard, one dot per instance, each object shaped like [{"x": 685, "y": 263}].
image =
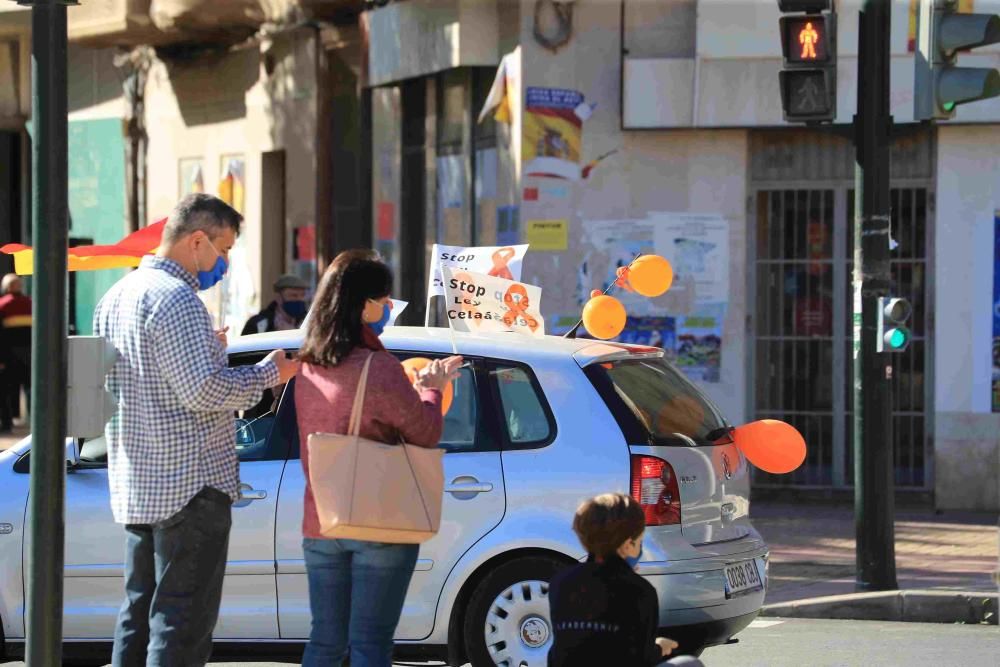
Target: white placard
[{"x": 476, "y": 302}]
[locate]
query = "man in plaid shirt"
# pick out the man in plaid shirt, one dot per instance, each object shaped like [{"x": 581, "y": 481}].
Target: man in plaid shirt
[{"x": 172, "y": 464}]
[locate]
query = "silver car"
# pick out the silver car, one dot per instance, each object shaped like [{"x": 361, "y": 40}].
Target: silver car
[{"x": 536, "y": 426}]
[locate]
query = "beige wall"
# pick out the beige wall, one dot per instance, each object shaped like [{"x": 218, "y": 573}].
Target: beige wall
[
  {"x": 231, "y": 106},
  {"x": 654, "y": 171}
]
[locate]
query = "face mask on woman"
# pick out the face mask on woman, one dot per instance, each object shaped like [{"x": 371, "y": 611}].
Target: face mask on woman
[{"x": 379, "y": 327}]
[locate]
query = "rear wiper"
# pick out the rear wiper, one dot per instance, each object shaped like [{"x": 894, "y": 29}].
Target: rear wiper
[{"x": 719, "y": 433}]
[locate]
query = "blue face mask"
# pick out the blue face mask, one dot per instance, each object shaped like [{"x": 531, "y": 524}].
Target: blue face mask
[
  {"x": 295, "y": 309},
  {"x": 207, "y": 279},
  {"x": 379, "y": 327},
  {"x": 632, "y": 561}
]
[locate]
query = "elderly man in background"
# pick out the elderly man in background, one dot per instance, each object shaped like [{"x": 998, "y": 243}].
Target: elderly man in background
[{"x": 287, "y": 311}]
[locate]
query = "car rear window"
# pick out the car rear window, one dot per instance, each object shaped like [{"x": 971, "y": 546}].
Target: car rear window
[{"x": 654, "y": 403}]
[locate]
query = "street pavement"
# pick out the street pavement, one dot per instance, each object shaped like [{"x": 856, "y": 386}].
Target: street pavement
[
  {"x": 10, "y": 439},
  {"x": 822, "y": 643},
  {"x": 812, "y": 549}
]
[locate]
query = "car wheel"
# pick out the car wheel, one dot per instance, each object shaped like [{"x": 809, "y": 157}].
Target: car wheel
[{"x": 508, "y": 623}]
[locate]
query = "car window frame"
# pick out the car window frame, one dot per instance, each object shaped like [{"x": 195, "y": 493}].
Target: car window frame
[{"x": 508, "y": 444}]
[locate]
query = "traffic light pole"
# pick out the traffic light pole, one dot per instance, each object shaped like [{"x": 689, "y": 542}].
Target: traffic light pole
[
  {"x": 48, "y": 335},
  {"x": 872, "y": 428}
]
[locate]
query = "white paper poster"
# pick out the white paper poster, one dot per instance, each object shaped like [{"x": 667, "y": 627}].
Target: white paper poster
[
  {"x": 497, "y": 261},
  {"x": 475, "y": 302},
  {"x": 697, "y": 247}
]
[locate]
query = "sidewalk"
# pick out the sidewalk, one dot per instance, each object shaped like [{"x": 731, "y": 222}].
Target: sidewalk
[
  {"x": 812, "y": 550},
  {"x": 10, "y": 439}
]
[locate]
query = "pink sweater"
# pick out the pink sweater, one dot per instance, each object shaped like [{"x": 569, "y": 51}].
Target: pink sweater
[{"x": 392, "y": 408}]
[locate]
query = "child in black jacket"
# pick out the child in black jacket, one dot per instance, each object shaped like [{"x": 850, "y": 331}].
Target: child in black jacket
[{"x": 603, "y": 613}]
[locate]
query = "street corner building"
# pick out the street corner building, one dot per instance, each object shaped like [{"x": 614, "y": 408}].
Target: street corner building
[{"x": 593, "y": 130}]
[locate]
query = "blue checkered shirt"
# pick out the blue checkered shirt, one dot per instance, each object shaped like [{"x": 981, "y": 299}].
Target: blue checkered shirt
[{"x": 173, "y": 432}]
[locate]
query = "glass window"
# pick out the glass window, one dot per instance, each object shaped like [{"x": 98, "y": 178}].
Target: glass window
[
  {"x": 523, "y": 412},
  {"x": 461, "y": 422},
  {"x": 252, "y": 428},
  {"x": 665, "y": 404}
]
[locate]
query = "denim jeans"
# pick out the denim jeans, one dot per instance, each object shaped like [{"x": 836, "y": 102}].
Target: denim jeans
[
  {"x": 173, "y": 585},
  {"x": 356, "y": 593}
]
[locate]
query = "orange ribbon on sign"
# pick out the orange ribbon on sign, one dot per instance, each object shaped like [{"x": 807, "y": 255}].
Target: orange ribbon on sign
[
  {"x": 501, "y": 258},
  {"x": 518, "y": 307}
]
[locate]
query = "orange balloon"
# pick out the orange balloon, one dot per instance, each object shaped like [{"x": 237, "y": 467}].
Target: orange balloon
[
  {"x": 650, "y": 275},
  {"x": 414, "y": 365},
  {"x": 604, "y": 317},
  {"x": 771, "y": 445}
]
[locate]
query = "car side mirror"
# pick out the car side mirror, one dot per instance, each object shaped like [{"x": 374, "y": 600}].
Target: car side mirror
[
  {"x": 72, "y": 452},
  {"x": 244, "y": 432}
]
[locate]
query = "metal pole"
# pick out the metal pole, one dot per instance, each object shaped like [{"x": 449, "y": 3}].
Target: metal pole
[
  {"x": 48, "y": 335},
  {"x": 873, "y": 447}
]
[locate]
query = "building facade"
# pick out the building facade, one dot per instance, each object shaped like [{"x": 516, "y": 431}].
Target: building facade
[{"x": 676, "y": 130}]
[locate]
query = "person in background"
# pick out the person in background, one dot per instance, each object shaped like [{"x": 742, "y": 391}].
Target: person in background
[
  {"x": 357, "y": 588},
  {"x": 15, "y": 349},
  {"x": 173, "y": 470},
  {"x": 287, "y": 311},
  {"x": 602, "y": 612}
]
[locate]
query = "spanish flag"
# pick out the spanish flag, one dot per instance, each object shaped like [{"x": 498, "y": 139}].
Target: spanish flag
[{"x": 126, "y": 253}]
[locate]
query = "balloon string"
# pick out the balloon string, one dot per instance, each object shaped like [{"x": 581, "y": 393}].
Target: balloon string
[{"x": 572, "y": 332}]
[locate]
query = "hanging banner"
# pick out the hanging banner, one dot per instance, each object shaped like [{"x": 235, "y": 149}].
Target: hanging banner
[
  {"x": 553, "y": 132},
  {"x": 475, "y": 302},
  {"x": 498, "y": 261}
]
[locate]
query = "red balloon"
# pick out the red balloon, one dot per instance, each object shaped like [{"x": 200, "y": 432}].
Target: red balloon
[
  {"x": 771, "y": 445},
  {"x": 414, "y": 365}
]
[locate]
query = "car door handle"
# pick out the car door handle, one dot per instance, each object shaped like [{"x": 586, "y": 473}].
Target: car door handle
[
  {"x": 248, "y": 494},
  {"x": 471, "y": 485}
]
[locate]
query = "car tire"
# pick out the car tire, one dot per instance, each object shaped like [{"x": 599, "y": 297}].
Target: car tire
[{"x": 507, "y": 620}]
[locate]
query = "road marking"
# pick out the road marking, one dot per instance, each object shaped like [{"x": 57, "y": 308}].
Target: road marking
[{"x": 759, "y": 623}]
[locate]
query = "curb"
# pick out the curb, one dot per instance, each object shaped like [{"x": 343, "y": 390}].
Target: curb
[{"x": 917, "y": 606}]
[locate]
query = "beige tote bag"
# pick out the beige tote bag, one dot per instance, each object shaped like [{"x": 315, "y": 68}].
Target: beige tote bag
[{"x": 372, "y": 491}]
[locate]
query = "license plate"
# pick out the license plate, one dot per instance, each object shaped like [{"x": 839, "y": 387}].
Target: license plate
[{"x": 742, "y": 578}]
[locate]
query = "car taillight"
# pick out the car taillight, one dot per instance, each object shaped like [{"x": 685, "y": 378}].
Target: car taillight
[{"x": 654, "y": 486}]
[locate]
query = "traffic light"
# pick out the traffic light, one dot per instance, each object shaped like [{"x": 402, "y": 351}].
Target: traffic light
[
  {"x": 938, "y": 85},
  {"x": 89, "y": 405},
  {"x": 808, "y": 80},
  {"x": 893, "y": 336}
]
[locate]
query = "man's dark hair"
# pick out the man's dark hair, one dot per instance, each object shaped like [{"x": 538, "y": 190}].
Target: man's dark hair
[
  {"x": 334, "y": 327},
  {"x": 607, "y": 521},
  {"x": 200, "y": 212}
]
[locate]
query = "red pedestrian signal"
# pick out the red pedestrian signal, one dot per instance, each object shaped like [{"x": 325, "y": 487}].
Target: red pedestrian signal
[
  {"x": 808, "y": 79},
  {"x": 804, "y": 39}
]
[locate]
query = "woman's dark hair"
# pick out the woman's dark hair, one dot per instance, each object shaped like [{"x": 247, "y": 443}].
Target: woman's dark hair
[
  {"x": 334, "y": 327},
  {"x": 607, "y": 521}
]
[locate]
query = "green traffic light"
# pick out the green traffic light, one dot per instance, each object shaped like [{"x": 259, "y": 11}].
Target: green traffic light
[
  {"x": 948, "y": 106},
  {"x": 897, "y": 338}
]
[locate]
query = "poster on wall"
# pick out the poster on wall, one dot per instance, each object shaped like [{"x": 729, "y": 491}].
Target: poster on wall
[
  {"x": 231, "y": 301},
  {"x": 697, "y": 246},
  {"x": 699, "y": 343},
  {"x": 552, "y": 133},
  {"x": 995, "y": 383}
]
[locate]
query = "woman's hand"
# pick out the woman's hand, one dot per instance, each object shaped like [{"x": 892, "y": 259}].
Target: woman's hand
[{"x": 438, "y": 373}]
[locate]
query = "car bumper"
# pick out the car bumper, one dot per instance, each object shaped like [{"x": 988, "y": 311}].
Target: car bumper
[{"x": 693, "y": 638}]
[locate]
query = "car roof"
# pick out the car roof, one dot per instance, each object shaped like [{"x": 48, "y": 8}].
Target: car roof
[{"x": 440, "y": 340}]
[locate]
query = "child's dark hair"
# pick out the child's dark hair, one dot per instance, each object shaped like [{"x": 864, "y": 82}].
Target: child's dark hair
[{"x": 605, "y": 522}]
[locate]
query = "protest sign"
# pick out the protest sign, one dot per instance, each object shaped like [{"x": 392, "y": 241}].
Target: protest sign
[{"x": 475, "y": 302}]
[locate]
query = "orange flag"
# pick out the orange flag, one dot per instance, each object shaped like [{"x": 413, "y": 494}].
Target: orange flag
[{"x": 125, "y": 254}]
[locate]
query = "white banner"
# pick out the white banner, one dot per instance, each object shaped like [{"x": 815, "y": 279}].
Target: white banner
[
  {"x": 476, "y": 302},
  {"x": 496, "y": 261}
]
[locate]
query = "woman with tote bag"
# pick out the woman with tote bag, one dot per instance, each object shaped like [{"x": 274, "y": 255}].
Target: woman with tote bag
[{"x": 355, "y": 409}]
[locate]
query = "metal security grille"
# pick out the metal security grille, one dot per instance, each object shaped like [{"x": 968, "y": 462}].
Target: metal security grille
[{"x": 802, "y": 343}]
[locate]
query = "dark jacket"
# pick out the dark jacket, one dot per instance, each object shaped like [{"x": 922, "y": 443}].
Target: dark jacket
[
  {"x": 264, "y": 321},
  {"x": 603, "y": 614}
]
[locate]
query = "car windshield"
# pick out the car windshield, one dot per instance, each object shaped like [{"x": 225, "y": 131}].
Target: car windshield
[{"x": 663, "y": 405}]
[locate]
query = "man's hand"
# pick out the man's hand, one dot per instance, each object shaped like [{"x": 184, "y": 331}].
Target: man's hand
[
  {"x": 666, "y": 645},
  {"x": 221, "y": 335},
  {"x": 287, "y": 368}
]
